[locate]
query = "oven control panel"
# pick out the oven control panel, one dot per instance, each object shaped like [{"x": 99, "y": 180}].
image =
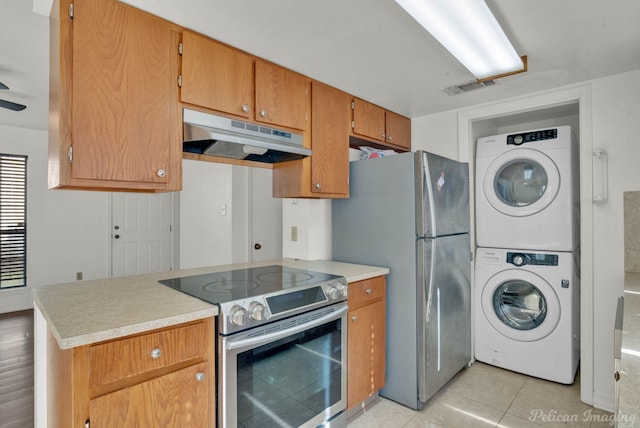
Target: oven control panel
[{"x": 242, "y": 314}]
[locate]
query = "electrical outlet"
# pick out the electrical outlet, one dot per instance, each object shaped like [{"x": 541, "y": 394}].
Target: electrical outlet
[
  {"x": 78, "y": 276},
  {"x": 294, "y": 233}
]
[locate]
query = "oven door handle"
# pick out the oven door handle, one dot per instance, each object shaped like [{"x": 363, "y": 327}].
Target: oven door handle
[{"x": 267, "y": 338}]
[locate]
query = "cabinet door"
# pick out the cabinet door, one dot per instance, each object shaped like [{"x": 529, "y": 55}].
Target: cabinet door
[
  {"x": 368, "y": 120},
  {"x": 216, "y": 76},
  {"x": 178, "y": 399},
  {"x": 398, "y": 130},
  {"x": 329, "y": 140},
  {"x": 282, "y": 96},
  {"x": 126, "y": 120},
  {"x": 366, "y": 352}
]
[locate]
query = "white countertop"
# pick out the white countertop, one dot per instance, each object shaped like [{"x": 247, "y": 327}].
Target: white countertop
[
  {"x": 84, "y": 312},
  {"x": 629, "y": 404}
]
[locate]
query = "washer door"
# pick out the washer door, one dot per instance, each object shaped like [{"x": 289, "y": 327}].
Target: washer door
[
  {"x": 521, "y": 182},
  {"x": 520, "y": 305}
]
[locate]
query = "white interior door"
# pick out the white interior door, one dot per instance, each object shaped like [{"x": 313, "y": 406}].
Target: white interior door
[
  {"x": 265, "y": 217},
  {"x": 141, "y": 233}
]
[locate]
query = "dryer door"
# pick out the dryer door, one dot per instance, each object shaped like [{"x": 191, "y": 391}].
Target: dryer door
[
  {"x": 520, "y": 305},
  {"x": 521, "y": 182}
]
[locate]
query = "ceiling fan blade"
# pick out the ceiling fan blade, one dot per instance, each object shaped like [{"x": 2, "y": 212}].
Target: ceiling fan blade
[
  {"x": 3, "y": 86},
  {"x": 12, "y": 106}
]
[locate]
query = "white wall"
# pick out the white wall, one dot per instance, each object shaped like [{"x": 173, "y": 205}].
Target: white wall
[
  {"x": 312, "y": 217},
  {"x": 436, "y": 133},
  {"x": 67, "y": 231}
]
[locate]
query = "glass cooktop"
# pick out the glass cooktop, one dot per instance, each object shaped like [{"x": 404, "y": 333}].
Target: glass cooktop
[{"x": 221, "y": 287}]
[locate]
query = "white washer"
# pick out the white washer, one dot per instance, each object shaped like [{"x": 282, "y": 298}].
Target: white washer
[
  {"x": 527, "y": 193},
  {"x": 527, "y": 316}
]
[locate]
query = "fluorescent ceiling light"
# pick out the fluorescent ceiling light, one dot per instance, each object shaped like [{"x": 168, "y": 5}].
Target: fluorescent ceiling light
[{"x": 468, "y": 30}]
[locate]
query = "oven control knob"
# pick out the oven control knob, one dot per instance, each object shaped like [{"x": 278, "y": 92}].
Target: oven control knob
[
  {"x": 343, "y": 289},
  {"x": 238, "y": 315},
  {"x": 332, "y": 292},
  {"x": 257, "y": 311}
]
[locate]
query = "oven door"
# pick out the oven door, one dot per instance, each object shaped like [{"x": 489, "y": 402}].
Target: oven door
[{"x": 288, "y": 373}]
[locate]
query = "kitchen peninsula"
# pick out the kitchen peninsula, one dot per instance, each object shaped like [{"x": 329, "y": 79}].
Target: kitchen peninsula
[{"x": 124, "y": 342}]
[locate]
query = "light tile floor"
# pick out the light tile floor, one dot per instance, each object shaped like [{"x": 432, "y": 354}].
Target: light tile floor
[{"x": 487, "y": 396}]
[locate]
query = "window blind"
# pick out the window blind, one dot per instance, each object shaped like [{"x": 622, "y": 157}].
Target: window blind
[{"x": 13, "y": 216}]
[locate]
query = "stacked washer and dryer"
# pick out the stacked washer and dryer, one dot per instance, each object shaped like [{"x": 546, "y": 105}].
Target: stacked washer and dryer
[{"x": 527, "y": 290}]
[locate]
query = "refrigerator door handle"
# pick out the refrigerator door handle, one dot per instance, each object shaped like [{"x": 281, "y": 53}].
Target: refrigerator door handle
[{"x": 426, "y": 219}]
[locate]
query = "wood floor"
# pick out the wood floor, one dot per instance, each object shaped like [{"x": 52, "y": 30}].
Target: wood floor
[{"x": 16, "y": 369}]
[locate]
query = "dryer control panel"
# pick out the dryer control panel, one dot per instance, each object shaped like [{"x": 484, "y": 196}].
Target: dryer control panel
[
  {"x": 528, "y": 137},
  {"x": 521, "y": 259}
]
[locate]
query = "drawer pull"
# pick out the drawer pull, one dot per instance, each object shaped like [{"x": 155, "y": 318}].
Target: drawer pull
[
  {"x": 200, "y": 376},
  {"x": 155, "y": 353},
  {"x": 368, "y": 291}
]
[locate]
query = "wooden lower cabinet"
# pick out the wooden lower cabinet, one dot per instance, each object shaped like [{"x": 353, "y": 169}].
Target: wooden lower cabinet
[
  {"x": 176, "y": 399},
  {"x": 164, "y": 378},
  {"x": 366, "y": 340}
]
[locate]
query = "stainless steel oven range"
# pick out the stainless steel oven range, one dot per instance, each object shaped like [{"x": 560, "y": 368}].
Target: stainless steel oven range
[{"x": 281, "y": 345}]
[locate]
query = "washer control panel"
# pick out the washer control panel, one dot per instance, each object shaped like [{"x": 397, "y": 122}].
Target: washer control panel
[
  {"x": 528, "y": 137},
  {"x": 536, "y": 259}
]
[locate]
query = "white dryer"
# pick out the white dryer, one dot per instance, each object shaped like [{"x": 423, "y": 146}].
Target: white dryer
[
  {"x": 527, "y": 193},
  {"x": 527, "y": 316}
]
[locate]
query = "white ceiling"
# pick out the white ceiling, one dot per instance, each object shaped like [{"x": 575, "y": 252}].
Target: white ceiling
[{"x": 370, "y": 48}]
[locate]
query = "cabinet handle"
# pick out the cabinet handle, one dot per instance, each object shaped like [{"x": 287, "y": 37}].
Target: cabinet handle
[
  {"x": 161, "y": 173},
  {"x": 368, "y": 291},
  {"x": 616, "y": 376},
  {"x": 155, "y": 353},
  {"x": 389, "y": 138},
  {"x": 263, "y": 113},
  {"x": 383, "y": 136},
  {"x": 245, "y": 108},
  {"x": 354, "y": 318},
  {"x": 318, "y": 186},
  {"x": 200, "y": 376}
]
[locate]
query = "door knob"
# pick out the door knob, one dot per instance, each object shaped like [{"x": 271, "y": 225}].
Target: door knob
[{"x": 257, "y": 246}]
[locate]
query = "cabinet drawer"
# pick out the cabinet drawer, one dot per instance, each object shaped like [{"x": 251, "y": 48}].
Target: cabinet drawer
[
  {"x": 121, "y": 359},
  {"x": 367, "y": 291}
]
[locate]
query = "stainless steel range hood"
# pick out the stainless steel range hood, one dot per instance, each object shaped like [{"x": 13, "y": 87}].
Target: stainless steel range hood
[{"x": 213, "y": 135}]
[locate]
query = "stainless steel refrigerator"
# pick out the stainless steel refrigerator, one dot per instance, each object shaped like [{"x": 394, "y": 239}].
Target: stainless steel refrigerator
[{"x": 410, "y": 212}]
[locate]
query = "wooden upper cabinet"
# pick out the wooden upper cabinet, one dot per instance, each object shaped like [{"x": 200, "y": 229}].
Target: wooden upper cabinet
[
  {"x": 216, "y": 76},
  {"x": 115, "y": 115},
  {"x": 282, "y": 96},
  {"x": 385, "y": 128},
  {"x": 330, "y": 140},
  {"x": 326, "y": 173},
  {"x": 398, "y": 130},
  {"x": 368, "y": 120}
]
